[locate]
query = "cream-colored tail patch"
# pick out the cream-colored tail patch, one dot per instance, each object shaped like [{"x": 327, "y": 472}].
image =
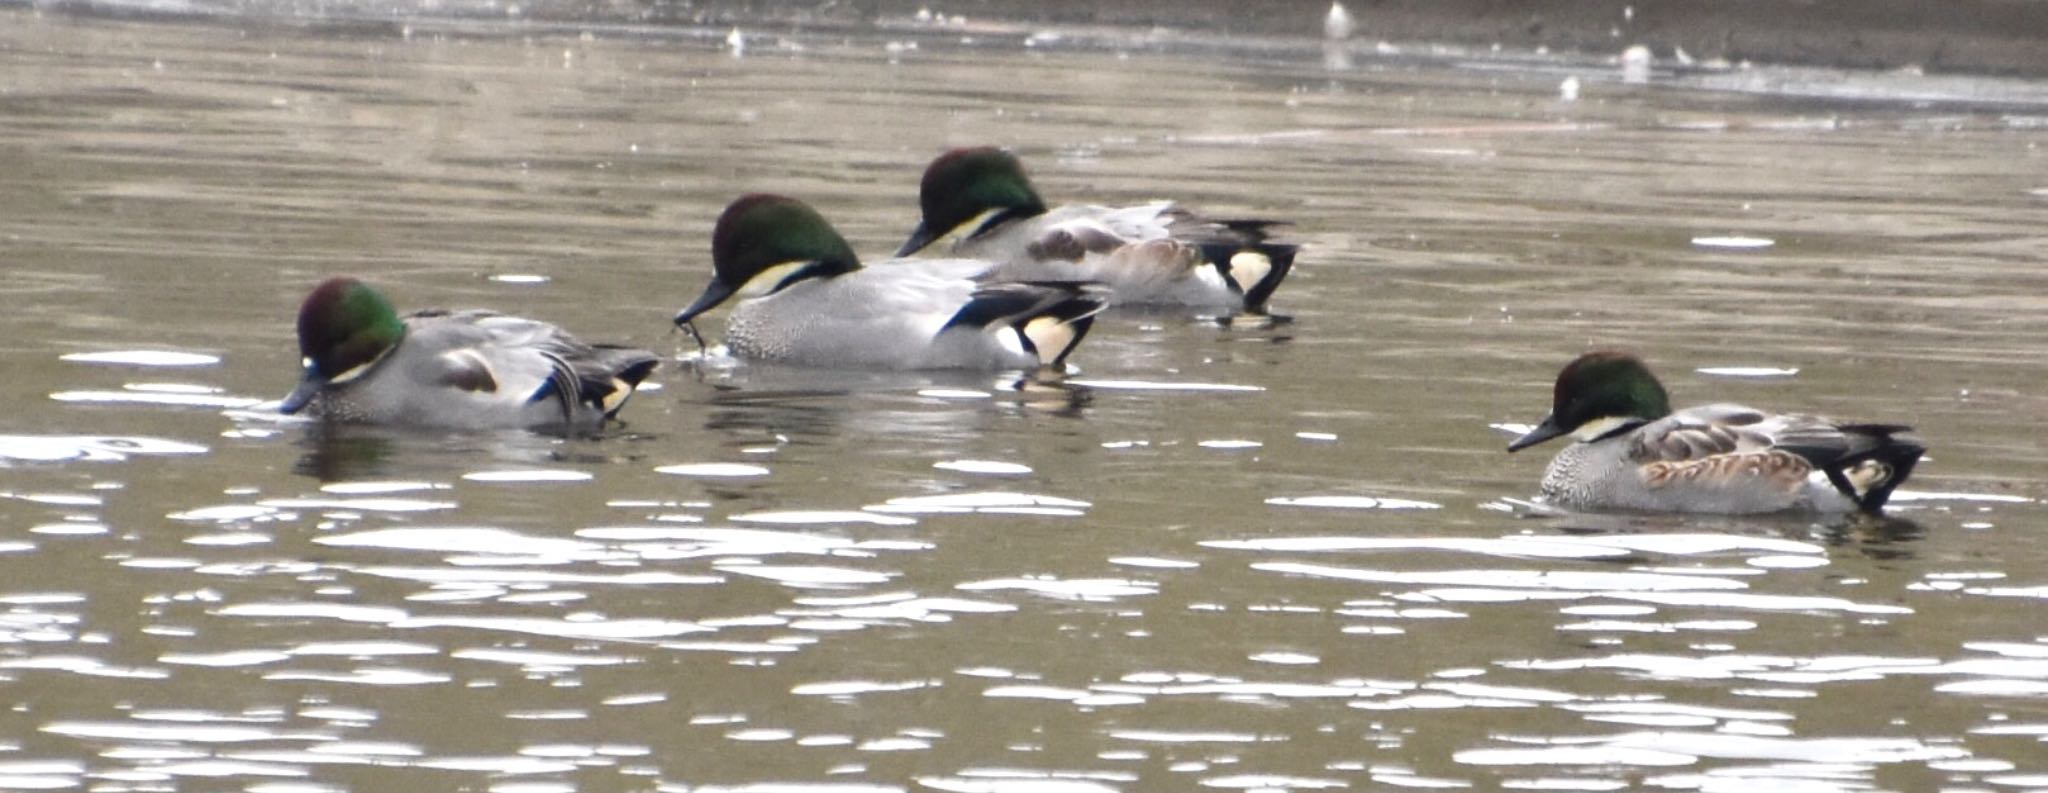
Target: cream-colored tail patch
[
  {"x": 1050, "y": 335},
  {"x": 1248, "y": 268},
  {"x": 1866, "y": 475},
  {"x": 621, "y": 390}
]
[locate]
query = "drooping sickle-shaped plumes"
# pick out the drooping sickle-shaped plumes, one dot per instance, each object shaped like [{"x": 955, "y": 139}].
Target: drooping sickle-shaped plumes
[
  {"x": 1237, "y": 266},
  {"x": 1631, "y": 451}
]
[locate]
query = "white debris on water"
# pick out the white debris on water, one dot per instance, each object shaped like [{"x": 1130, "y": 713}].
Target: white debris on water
[
  {"x": 1338, "y": 25},
  {"x": 1734, "y": 242},
  {"x": 1748, "y": 371},
  {"x": 1635, "y": 65}
]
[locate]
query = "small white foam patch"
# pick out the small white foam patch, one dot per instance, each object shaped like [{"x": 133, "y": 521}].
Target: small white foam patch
[
  {"x": 521, "y": 278},
  {"x": 1734, "y": 242}
]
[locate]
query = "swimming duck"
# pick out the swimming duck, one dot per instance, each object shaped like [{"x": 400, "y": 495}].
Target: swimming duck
[
  {"x": 1225, "y": 264},
  {"x": 1629, "y": 450},
  {"x": 451, "y": 369},
  {"x": 804, "y": 298}
]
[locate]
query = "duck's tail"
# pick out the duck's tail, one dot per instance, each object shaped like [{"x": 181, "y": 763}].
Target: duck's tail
[
  {"x": 1879, "y": 458},
  {"x": 1239, "y": 249},
  {"x": 1049, "y": 317},
  {"x": 610, "y": 374}
]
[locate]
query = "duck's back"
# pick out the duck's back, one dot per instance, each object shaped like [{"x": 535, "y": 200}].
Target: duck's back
[
  {"x": 888, "y": 316},
  {"x": 1723, "y": 459},
  {"x": 1132, "y": 250},
  {"x": 481, "y": 369}
]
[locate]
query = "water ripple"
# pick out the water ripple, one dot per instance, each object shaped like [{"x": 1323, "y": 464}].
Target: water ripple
[
  {"x": 174, "y": 734},
  {"x": 987, "y": 467},
  {"x": 823, "y": 517},
  {"x": 1012, "y": 782},
  {"x": 151, "y": 358},
  {"x": 1540, "y": 580},
  {"x": 851, "y": 688},
  {"x": 805, "y": 575},
  {"x": 87, "y": 448},
  {"x": 1351, "y": 502},
  {"x": 152, "y": 397},
  {"x": 1089, "y": 589},
  {"x": 716, "y": 470},
  {"x": 566, "y": 628},
  {"x": 452, "y": 539},
  {"x": 991, "y": 502}
]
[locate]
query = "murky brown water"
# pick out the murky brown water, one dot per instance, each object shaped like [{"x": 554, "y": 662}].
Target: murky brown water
[{"x": 1274, "y": 558}]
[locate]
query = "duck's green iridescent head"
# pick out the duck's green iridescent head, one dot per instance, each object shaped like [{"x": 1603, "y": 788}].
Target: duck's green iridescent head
[
  {"x": 763, "y": 243},
  {"x": 1599, "y": 393},
  {"x": 344, "y": 328},
  {"x": 964, "y": 184}
]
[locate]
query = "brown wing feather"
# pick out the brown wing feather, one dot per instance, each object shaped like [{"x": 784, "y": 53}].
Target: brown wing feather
[
  {"x": 1170, "y": 257},
  {"x": 1702, "y": 432},
  {"x": 1715, "y": 447},
  {"x": 1071, "y": 241},
  {"x": 466, "y": 370},
  {"x": 1782, "y": 471}
]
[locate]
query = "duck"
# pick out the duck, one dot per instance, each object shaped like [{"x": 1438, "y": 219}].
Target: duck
[
  {"x": 468, "y": 370},
  {"x": 1631, "y": 452},
  {"x": 802, "y": 297},
  {"x": 1221, "y": 264}
]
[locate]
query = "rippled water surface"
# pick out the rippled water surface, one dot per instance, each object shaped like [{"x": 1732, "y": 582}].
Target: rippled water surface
[{"x": 1245, "y": 557}]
